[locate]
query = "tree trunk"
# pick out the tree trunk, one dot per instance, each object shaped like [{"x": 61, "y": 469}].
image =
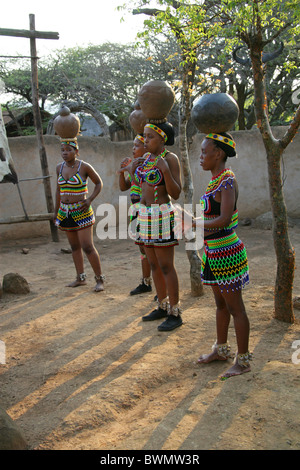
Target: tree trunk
[
  {"x": 188, "y": 189},
  {"x": 284, "y": 251},
  {"x": 283, "y": 306}
]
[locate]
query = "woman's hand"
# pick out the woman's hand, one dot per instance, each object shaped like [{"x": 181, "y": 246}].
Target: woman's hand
[
  {"x": 125, "y": 162},
  {"x": 162, "y": 165},
  {"x": 137, "y": 162},
  {"x": 126, "y": 165},
  {"x": 85, "y": 204},
  {"x": 183, "y": 221}
]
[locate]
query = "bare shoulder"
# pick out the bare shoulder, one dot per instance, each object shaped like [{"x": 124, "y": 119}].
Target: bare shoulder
[
  {"x": 171, "y": 157},
  {"x": 87, "y": 167}
]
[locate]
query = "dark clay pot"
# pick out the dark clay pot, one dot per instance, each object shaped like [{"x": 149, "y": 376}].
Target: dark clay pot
[
  {"x": 216, "y": 112},
  {"x": 156, "y": 99}
]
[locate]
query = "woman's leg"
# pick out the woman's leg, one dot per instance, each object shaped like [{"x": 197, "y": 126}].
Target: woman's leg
[
  {"x": 85, "y": 237},
  {"x": 146, "y": 270},
  {"x": 158, "y": 277},
  {"x": 235, "y": 306},
  {"x": 165, "y": 258},
  {"x": 230, "y": 303},
  {"x": 222, "y": 325},
  {"x": 145, "y": 285},
  {"x": 78, "y": 260}
]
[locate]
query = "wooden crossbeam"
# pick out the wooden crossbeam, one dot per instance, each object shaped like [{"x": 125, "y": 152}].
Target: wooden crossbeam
[
  {"x": 29, "y": 34},
  {"x": 30, "y": 218}
]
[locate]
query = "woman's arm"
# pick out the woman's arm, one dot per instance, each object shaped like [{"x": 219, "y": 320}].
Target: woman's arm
[
  {"x": 57, "y": 196},
  {"x": 170, "y": 168},
  {"x": 95, "y": 178},
  {"x": 124, "y": 182}
]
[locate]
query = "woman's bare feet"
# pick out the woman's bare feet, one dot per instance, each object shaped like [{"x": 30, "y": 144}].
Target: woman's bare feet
[
  {"x": 236, "y": 369},
  {"x": 76, "y": 283},
  {"x": 79, "y": 281},
  {"x": 240, "y": 366},
  {"x": 213, "y": 356},
  {"x": 99, "y": 287},
  {"x": 220, "y": 352}
]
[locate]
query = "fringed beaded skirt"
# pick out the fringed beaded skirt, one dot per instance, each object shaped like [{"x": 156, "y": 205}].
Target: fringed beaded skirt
[
  {"x": 224, "y": 262},
  {"x": 70, "y": 217},
  {"x": 155, "y": 225}
]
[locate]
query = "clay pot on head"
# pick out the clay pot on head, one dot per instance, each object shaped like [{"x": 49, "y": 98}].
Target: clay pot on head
[
  {"x": 137, "y": 119},
  {"x": 215, "y": 112},
  {"x": 66, "y": 124},
  {"x": 156, "y": 99}
]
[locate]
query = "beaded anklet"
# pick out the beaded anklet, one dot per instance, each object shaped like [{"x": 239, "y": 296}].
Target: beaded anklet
[
  {"x": 164, "y": 303},
  {"x": 223, "y": 350},
  {"x": 174, "y": 310},
  {"x": 244, "y": 359}
]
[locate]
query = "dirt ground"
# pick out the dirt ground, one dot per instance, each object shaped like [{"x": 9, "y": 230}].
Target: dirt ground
[{"x": 84, "y": 372}]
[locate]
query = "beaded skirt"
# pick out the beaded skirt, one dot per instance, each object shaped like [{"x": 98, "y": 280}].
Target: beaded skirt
[
  {"x": 70, "y": 217},
  {"x": 224, "y": 262},
  {"x": 155, "y": 225}
]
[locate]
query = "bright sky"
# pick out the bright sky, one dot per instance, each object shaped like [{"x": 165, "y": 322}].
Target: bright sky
[{"x": 78, "y": 22}]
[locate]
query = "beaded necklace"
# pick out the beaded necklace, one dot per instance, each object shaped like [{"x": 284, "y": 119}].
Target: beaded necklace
[
  {"x": 225, "y": 176},
  {"x": 149, "y": 174}
]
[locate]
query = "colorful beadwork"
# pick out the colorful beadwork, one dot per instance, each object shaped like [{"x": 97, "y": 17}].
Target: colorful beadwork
[
  {"x": 158, "y": 130},
  {"x": 221, "y": 138},
  {"x": 228, "y": 262},
  {"x": 74, "y": 186},
  {"x": 71, "y": 217},
  {"x": 224, "y": 178},
  {"x": 224, "y": 262},
  {"x": 72, "y": 142},
  {"x": 156, "y": 225},
  {"x": 140, "y": 137},
  {"x": 149, "y": 173}
]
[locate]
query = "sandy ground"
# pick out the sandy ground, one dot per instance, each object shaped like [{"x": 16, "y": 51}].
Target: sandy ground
[{"x": 84, "y": 372}]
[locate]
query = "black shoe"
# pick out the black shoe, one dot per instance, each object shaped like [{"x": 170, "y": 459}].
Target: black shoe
[
  {"x": 156, "y": 314},
  {"x": 172, "y": 322},
  {"x": 141, "y": 289}
]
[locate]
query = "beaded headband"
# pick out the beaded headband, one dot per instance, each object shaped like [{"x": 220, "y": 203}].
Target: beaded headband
[
  {"x": 158, "y": 130},
  {"x": 140, "y": 137},
  {"x": 221, "y": 138},
  {"x": 72, "y": 142}
]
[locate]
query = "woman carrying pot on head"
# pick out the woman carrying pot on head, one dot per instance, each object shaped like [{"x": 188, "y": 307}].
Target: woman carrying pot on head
[
  {"x": 224, "y": 263},
  {"x": 129, "y": 182},
  {"x": 158, "y": 173},
  {"x": 73, "y": 211}
]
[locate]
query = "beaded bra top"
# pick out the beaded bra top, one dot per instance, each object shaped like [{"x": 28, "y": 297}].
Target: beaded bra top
[
  {"x": 148, "y": 171},
  {"x": 211, "y": 208},
  {"x": 74, "y": 186}
]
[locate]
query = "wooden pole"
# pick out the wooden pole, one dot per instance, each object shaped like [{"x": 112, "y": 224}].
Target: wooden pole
[{"x": 38, "y": 125}]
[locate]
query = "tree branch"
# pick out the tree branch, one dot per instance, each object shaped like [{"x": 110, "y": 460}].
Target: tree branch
[
  {"x": 292, "y": 130},
  {"x": 147, "y": 11}
]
